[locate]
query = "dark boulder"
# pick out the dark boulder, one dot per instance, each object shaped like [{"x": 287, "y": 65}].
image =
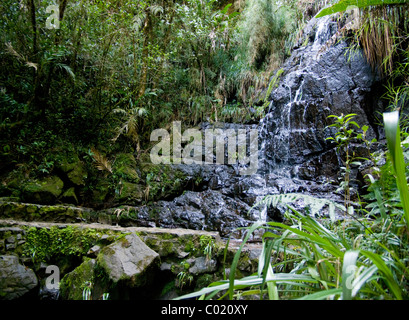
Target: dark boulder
[{"x": 15, "y": 279}]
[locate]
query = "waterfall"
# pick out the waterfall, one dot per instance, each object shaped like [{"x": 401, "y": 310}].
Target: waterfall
[
  {"x": 321, "y": 35},
  {"x": 317, "y": 80}
]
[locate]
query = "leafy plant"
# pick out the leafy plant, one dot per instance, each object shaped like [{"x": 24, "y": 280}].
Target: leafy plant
[
  {"x": 318, "y": 260},
  {"x": 207, "y": 245},
  {"x": 380, "y": 29},
  {"x": 184, "y": 278},
  {"x": 86, "y": 292},
  {"x": 344, "y": 136},
  {"x": 343, "y": 5}
]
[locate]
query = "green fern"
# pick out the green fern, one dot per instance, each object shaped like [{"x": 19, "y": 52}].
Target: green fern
[{"x": 314, "y": 204}]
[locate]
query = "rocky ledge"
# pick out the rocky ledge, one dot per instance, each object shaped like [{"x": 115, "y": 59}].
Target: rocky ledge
[{"x": 89, "y": 261}]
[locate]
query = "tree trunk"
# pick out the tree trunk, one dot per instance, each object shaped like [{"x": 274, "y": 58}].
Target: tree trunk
[{"x": 147, "y": 31}]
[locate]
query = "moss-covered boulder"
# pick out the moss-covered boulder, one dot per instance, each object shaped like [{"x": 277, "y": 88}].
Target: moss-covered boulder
[
  {"x": 69, "y": 196},
  {"x": 130, "y": 193},
  {"x": 37, "y": 212},
  {"x": 45, "y": 191},
  {"x": 73, "y": 284},
  {"x": 11, "y": 185},
  {"x": 128, "y": 260},
  {"x": 100, "y": 193},
  {"x": 75, "y": 170}
]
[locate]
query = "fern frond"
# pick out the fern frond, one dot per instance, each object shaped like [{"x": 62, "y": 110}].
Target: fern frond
[
  {"x": 20, "y": 57},
  {"x": 101, "y": 162},
  {"x": 156, "y": 9},
  {"x": 119, "y": 110},
  {"x": 67, "y": 69},
  {"x": 138, "y": 21},
  {"x": 13, "y": 52},
  {"x": 132, "y": 130},
  {"x": 32, "y": 65}
]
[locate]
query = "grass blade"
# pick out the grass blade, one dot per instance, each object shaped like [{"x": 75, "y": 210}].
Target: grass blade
[
  {"x": 248, "y": 282},
  {"x": 378, "y": 196},
  {"x": 362, "y": 278},
  {"x": 237, "y": 257},
  {"x": 320, "y": 295},
  {"x": 386, "y": 272},
  {"x": 392, "y": 132}
]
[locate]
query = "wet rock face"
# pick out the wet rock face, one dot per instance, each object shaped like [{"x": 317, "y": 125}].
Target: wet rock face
[
  {"x": 208, "y": 210},
  {"x": 317, "y": 81}
]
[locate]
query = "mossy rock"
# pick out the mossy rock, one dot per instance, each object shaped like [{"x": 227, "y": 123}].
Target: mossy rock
[
  {"x": 75, "y": 170},
  {"x": 163, "y": 181},
  {"x": 78, "y": 176},
  {"x": 204, "y": 280},
  {"x": 11, "y": 185},
  {"x": 73, "y": 283},
  {"x": 130, "y": 193},
  {"x": 101, "y": 192},
  {"x": 163, "y": 247},
  {"x": 128, "y": 260},
  {"x": 69, "y": 196},
  {"x": 44, "y": 191},
  {"x": 125, "y": 166},
  {"x": 37, "y": 212}
]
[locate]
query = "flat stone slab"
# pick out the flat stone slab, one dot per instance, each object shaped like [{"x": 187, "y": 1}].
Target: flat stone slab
[
  {"x": 139, "y": 230},
  {"x": 128, "y": 260}
]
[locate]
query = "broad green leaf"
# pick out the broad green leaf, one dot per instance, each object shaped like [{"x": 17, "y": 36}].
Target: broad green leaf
[
  {"x": 392, "y": 132},
  {"x": 343, "y": 5},
  {"x": 248, "y": 282},
  {"x": 320, "y": 295},
  {"x": 386, "y": 272}
]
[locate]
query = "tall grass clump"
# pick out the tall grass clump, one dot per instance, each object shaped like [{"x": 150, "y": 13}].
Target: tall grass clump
[
  {"x": 381, "y": 29},
  {"x": 307, "y": 259},
  {"x": 259, "y": 46},
  {"x": 262, "y": 32}
]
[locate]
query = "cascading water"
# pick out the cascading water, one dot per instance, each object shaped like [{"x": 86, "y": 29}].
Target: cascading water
[
  {"x": 287, "y": 121},
  {"x": 321, "y": 34},
  {"x": 318, "y": 80}
]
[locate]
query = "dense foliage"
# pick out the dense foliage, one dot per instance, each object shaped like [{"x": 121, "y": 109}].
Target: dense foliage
[
  {"x": 106, "y": 73},
  {"x": 90, "y": 79}
]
